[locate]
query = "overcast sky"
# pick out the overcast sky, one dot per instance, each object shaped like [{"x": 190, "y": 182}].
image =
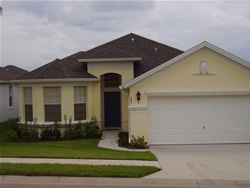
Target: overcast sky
[{"x": 34, "y": 33}]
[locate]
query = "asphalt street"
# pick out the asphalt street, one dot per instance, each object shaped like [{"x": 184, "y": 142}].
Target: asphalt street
[{"x": 84, "y": 182}]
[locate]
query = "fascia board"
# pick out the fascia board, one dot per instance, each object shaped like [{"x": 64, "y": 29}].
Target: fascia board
[
  {"x": 110, "y": 60},
  {"x": 57, "y": 80}
]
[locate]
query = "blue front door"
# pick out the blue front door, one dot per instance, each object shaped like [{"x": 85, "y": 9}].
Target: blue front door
[{"x": 112, "y": 109}]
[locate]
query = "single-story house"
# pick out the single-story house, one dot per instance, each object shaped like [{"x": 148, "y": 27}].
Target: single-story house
[
  {"x": 149, "y": 89},
  {"x": 9, "y": 92}
]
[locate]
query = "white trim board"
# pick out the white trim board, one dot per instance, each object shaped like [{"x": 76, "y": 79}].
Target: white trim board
[
  {"x": 198, "y": 93},
  {"x": 183, "y": 55},
  {"x": 109, "y": 60},
  {"x": 137, "y": 108},
  {"x": 57, "y": 80}
]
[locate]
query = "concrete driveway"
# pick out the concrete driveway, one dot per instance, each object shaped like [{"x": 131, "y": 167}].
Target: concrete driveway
[{"x": 210, "y": 162}]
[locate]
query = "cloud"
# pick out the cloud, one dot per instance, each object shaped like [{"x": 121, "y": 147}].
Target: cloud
[{"x": 34, "y": 33}]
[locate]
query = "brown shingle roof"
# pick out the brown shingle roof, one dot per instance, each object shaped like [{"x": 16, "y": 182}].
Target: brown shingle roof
[
  {"x": 128, "y": 46},
  {"x": 136, "y": 46},
  {"x": 68, "y": 67},
  {"x": 11, "y": 72}
]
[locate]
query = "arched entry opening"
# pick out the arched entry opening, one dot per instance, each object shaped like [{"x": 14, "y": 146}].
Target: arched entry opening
[{"x": 111, "y": 100}]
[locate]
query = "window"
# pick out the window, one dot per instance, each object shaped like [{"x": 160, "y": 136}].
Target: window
[
  {"x": 10, "y": 96},
  {"x": 111, "y": 80},
  {"x": 80, "y": 103},
  {"x": 28, "y": 104},
  {"x": 52, "y": 101}
]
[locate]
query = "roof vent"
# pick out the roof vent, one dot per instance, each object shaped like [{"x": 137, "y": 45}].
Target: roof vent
[
  {"x": 156, "y": 49},
  {"x": 132, "y": 39}
]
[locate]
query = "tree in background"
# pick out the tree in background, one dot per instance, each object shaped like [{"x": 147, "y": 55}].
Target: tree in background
[{"x": 1, "y": 11}]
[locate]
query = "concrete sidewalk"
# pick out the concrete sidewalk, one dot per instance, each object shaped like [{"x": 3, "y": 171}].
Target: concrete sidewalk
[
  {"x": 121, "y": 182},
  {"x": 80, "y": 161}
]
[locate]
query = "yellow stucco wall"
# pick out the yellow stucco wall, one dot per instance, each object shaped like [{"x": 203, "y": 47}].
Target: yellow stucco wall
[
  {"x": 180, "y": 78},
  {"x": 21, "y": 104},
  {"x": 124, "y": 69},
  {"x": 38, "y": 103},
  {"x": 67, "y": 102},
  {"x": 140, "y": 124}
]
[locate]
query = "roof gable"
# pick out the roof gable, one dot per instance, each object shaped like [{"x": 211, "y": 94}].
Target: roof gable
[
  {"x": 182, "y": 56},
  {"x": 11, "y": 72},
  {"x": 65, "y": 68}
]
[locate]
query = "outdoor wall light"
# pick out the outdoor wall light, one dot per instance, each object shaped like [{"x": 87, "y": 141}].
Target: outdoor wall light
[{"x": 138, "y": 96}]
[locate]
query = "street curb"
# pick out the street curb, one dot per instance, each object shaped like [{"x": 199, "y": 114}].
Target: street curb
[{"x": 56, "y": 180}]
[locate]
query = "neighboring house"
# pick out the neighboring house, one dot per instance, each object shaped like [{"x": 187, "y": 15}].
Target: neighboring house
[
  {"x": 149, "y": 89},
  {"x": 9, "y": 92}
]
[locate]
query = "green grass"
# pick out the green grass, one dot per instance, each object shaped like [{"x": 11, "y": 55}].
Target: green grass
[
  {"x": 76, "y": 149},
  {"x": 76, "y": 170}
]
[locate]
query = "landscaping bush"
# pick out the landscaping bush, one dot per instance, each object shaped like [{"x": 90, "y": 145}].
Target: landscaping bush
[
  {"x": 56, "y": 134},
  {"x": 47, "y": 134},
  {"x": 123, "y": 139},
  {"x": 25, "y": 135},
  {"x": 92, "y": 130},
  {"x": 138, "y": 142},
  {"x": 12, "y": 136},
  {"x": 68, "y": 134},
  {"x": 77, "y": 133},
  {"x": 34, "y": 135},
  {"x": 73, "y": 134}
]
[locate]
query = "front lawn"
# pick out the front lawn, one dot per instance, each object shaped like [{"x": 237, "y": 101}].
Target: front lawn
[
  {"x": 76, "y": 170},
  {"x": 77, "y": 149}
]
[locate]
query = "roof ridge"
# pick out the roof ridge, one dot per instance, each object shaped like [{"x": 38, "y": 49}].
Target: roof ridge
[
  {"x": 77, "y": 53},
  {"x": 156, "y": 42},
  {"x": 108, "y": 42},
  {"x": 112, "y": 48}
]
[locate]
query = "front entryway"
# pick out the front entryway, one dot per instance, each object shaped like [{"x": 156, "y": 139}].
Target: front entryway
[
  {"x": 111, "y": 101},
  {"x": 112, "y": 109}
]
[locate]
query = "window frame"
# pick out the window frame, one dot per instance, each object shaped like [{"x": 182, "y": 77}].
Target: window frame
[
  {"x": 77, "y": 103},
  {"x": 10, "y": 96},
  {"x": 112, "y": 80},
  {"x": 28, "y": 105},
  {"x": 50, "y": 103}
]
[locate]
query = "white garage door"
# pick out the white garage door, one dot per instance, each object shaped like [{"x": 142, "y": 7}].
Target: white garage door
[{"x": 199, "y": 120}]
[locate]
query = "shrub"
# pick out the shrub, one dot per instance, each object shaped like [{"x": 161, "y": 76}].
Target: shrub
[
  {"x": 138, "y": 142},
  {"x": 68, "y": 134},
  {"x": 56, "y": 134},
  {"x": 13, "y": 123},
  {"x": 77, "y": 133},
  {"x": 92, "y": 132},
  {"x": 123, "y": 139},
  {"x": 47, "y": 134},
  {"x": 25, "y": 135},
  {"x": 12, "y": 136},
  {"x": 34, "y": 135}
]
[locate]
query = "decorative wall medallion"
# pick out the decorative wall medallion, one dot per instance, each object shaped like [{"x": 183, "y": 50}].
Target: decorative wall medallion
[{"x": 204, "y": 69}]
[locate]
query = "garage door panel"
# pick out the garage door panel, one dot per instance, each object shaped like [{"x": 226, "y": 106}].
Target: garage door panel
[
  {"x": 194, "y": 120},
  {"x": 215, "y": 131}
]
